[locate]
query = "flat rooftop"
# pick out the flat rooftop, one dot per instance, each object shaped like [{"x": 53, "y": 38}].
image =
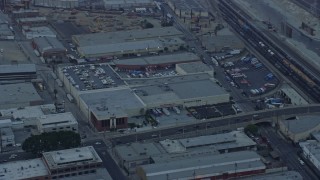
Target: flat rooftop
[
  {"x": 71, "y": 157},
  {"x": 162, "y": 59},
  {"x": 95, "y": 39},
  {"x": 17, "y": 68},
  {"x": 290, "y": 175},
  {"x": 13, "y": 95},
  {"x": 60, "y": 119},
  {"x": 172, "y": 92},
  {"x": 28, "y": 112},
  {"x": 49, "y": 44},
  {"x": 302, "y": 123},
  {"x": 32, "y": 19},
  {"x": 136, "y": 151},
  {"x": 24, "y": 169},
  {"x": 114, "y": 2},
  {"x": 206, "y": 165},
  {"x": 194, "y": 67},
  {"x": 105, "y": 103},
  {"x": 125, "y": 47}
]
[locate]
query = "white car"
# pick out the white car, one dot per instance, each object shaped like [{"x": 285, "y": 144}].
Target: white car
[{"x": 98, "y": 143}]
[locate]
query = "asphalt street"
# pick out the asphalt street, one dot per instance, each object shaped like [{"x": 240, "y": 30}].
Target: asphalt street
[{"x": 287, "y": 152}]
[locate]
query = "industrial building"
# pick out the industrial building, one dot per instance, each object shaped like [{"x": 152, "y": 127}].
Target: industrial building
[
  {"x": 222, "y": 166},
  {"x": 300, "y": 128},
  {"x": 127, "y": 43},
  {"x": 19, "y": 95},
  {"x": 67, "y": 4},
  {"x": 188, "y": 8},
  {"x": 107, "y": 109},
  {"x": 133, "y": 155},
  {"x": 292, "y": 95},
  {"x": 34, "y": 32},
  {"x": 7, "y": 137},
  {"x": 5, "y": 32},
  {"x": 154, "y": 62},
  {"x": 78, "y": 163},
  {"x": 25, "y": 169},
  {"x": 24, "y": 13},
  {"x": 28, "y": 115},
  {"x": 194, "y": 68},
  {"x": 181, "y": 90},
  {"x": 311, "y": 152},
  {"x": 126, "y": 4},
  {"x": 57, "y": 122},
  {"x": 292, "y": 175},
  {"x": 32, "y": 21},
  {"x": 17, "y": 72},
  {"x": 50, "y": 48}
]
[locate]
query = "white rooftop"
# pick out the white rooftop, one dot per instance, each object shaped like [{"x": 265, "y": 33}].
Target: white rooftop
[
  {"x": 23, "y": 169},
  {"x": 27, "y": 112},
  {"x": 71, "y": 157},
  {"x": 219, "y": 141},
  {"x": 172, "y": 146},
  {"x": 57, "y": 119},
  {"x": 302, "y": 123}
]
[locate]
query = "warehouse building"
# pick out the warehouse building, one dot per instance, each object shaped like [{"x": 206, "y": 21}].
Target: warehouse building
[
  {"x": 19, "y": 95},
  {"x": 188, "y": 8},
  {"x": 17, "y": 72},
  {"x": 67, "y": 4},
  {"x": 24, "y": 13},
  {"x": 34, "y": 32},
  {"x": 27, "y": 116},
  {"x": 5, "y": 32},
  {"x": 32, "y": 21},
  {"x": 133, "y": 155},
  {"x": 127, "y": 43},
  {"x": 223, "y": 166},
  {"x": 78, "y": 163},
  {"x": 50, "y": 48},
  {"x": 125, "y": 4},
  {"x": 300, "y": 128},
  {"x": 184, "y": 91},
  {"x": 57, "y": 122},
  {"x": 107, "y": 109},
  {"x": 311, "y": 151},
  {"x": 154, "y": 62},
  {"x": 194, "y": 68}
]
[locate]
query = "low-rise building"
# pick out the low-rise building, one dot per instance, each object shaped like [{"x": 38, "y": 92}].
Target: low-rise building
[
  {"x": 17, "y": 72},
  {"x": 300, "y": 128},
  {"x": 311, "y": 151},
  {"x": 292, "y": 175},
  {"x": 194, "y": 68},
  {"x": 154, "y": 62},
  {"x": 34, "y": 32},
  {"x": 131, "y": 156},
  {"x": 108, "y": 109},
  {"x": 57, "y": 122},
  {"x": 111, "y": 4},
  {"x": 188, "y": 8},
  {"x": 67, "y": 4},
  {"x": 19, "y": 95},
  {"x": 72, "y": 162},
  {"x": 26, "y": 169},
  {"x": 222, "y": 166},
  {"x": 7, "y": 137},
  {"x": 5, "y": 32},
  {"x": 23, "y": 13},
  {"x": 32, "y": 21},
  {"x": 50, "y": 48}
]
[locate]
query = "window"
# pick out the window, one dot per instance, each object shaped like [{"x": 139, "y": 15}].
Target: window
[
  {"x": 68, "y": 127},
  {"x": 54, "y": 172},
  {"x": 67, "y": 175},
  {"x": 80, "y": 173},
  {"x": 54, "y": 177},
  {"x": 54, "y": 129},
  {"x": 86, "y": 172},
  {"x": 93, "y": 171},
  {"x": 61, "y": 176},
  {"x": 133, "y": 164},
  {"x": 73, "y": 168},
  {"x": 73, "y": 174},
  {"x": 86, "y": 166},
  {"x": 61, "y": 128}
]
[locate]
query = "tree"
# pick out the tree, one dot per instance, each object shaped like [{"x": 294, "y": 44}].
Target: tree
[
  {"x": 50, "y": 141},
  {"x": 253, "y": 129}
]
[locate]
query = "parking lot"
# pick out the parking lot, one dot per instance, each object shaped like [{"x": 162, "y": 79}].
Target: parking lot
[
  {"x": 211, "y": 111},
  {"x": 92, "y": 76},
  {"x": 67, "y": 29},
  {"x": 250, "y": 75}
]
